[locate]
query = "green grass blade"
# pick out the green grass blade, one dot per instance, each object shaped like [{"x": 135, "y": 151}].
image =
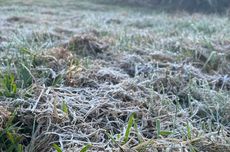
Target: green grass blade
[
  {"x": 57, "y": 148},
  {"x": 128, "y": 129},
  {"x": 85, "y": 148},
  {"x": 20, "y": 148},
  {"x": 189, "y": 134},
  {"x": 165, "y": 133},
  {"x": 158, "y": 127},
  {"x": 10, "y": 137},
  {"x": 64, "y": 108}
]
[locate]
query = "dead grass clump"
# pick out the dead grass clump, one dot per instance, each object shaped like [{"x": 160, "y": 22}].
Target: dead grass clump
[
  {"x": 60, "y": 54},
  {"x": 212, "y": 146},
  {"x": 110, "y": 76},
  {"x": 94, "y": 77},
  {"x": 129, "y": 62},
  {"x": 21, "y": 19},
  {"x": 4, "y": 116},
  {"x": 162, "y": 57},
  {"x": 80, "y": 76},
  {"x": 210, "y": 57},
  {"x": 113, "y": 21},
  {"x": 54, "y": 58},
  {"x": 86, "y": 45}
]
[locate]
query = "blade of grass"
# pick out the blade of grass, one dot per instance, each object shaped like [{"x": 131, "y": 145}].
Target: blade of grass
[
  {"x": 128, "y": 129},
  {"x": 57, "y": 148},
  {"x": 189, "y": 134},
  {"x": 158, "y": 127},
  {"x": 85, "y": 148}
]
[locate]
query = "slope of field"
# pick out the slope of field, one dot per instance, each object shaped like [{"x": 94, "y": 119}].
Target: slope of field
[{"x": 80, "y": 75}]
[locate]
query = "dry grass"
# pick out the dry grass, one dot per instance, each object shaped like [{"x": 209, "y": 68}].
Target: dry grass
[{"x": 116, "y": 78}]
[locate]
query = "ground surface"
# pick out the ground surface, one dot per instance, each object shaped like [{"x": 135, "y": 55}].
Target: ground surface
[{"x": 112, "y": 78}]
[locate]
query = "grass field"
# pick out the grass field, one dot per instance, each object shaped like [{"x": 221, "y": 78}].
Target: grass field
[{"x": 89, "y": 76}]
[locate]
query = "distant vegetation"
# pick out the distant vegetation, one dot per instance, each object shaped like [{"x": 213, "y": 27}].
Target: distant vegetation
[{"x": 189, "y": 5}]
